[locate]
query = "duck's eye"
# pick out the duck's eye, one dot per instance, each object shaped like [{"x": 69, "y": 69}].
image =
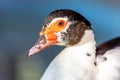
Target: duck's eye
[{"x": 61, "y": 23}]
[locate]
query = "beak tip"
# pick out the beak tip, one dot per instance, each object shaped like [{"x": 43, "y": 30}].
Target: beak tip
[
  {"x": 28, "y": 55},
  {"x": 32, "y": 51}
]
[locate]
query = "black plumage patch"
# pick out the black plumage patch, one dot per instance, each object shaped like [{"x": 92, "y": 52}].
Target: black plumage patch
[
  {"x": 102, "y": 48},
  {"x": 76, "y": 31},
  {"x": 88, "y": 54},
  {"x": 72, "y": 15}
]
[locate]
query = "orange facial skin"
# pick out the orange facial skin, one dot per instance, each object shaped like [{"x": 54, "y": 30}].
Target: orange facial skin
[{"x": 53, "y": 28}]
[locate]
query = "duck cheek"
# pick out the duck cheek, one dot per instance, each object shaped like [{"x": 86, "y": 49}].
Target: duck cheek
[{"x": 52, "y": 38}]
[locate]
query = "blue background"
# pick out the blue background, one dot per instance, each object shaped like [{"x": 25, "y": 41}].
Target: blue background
[{"x": 21, "y": 21}]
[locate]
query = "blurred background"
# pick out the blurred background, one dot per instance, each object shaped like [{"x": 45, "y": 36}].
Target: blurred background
[{"x": 21, "y": 21}]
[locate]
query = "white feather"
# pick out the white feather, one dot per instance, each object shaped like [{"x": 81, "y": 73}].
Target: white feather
[{"x": 110, "y": 69}]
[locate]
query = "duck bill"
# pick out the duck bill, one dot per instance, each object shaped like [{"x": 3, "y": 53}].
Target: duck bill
[{"x": 41, "y": 44}]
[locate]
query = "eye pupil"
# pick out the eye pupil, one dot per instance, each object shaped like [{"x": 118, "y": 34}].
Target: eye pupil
[{"x": 60, "y": 23}]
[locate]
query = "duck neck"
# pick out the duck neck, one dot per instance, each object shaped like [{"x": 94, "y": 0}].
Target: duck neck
[
  {"x": 87, "y": 45},
  {"x": 82, "y": 56},
  {"x": 85, "y": 52}
]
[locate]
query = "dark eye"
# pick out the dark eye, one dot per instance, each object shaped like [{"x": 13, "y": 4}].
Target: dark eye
[{"x": 60, "y": 23}]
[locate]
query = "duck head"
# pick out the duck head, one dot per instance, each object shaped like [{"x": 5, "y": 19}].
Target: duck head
[{"x": 62, "y": 27}]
